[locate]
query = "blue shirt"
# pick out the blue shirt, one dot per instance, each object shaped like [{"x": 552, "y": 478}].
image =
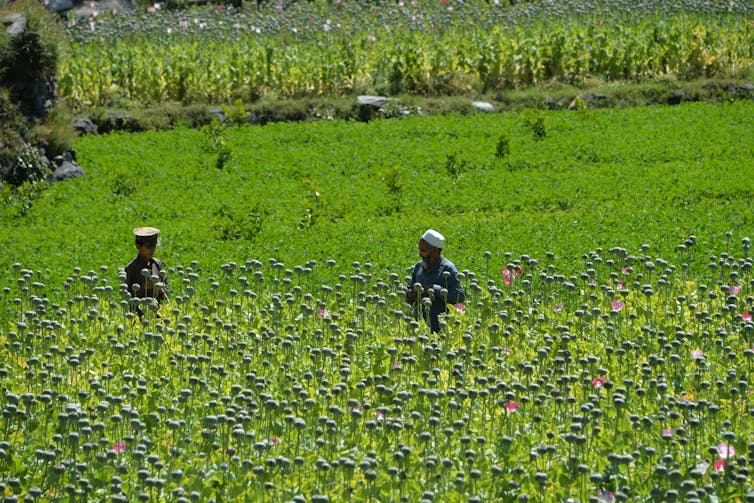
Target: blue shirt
[{"x": 435, "y": 280}]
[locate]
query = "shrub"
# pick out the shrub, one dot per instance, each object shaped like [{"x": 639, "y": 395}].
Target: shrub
[
  {"x": 236, "y": 113},
  {"x": 28, "y": 60},
  {"x": 19, "y": 161},
  {"x": 217, "y": 144},
  {"x": 55, "y": 134},
  {"x": 28, "y": 91},
  {"x": 503, "y": 147},
  {"x": 535, "y": 120},
  {"x": 26, "y": 165}
]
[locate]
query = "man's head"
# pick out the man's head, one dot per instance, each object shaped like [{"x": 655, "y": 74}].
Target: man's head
[
  {"x": 430, "y": 248},
  {"x": 147, "y": 239}
]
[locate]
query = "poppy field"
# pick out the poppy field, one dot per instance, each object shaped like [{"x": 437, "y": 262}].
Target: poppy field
[
  {"x": 259, "y": 382},
  {"x": 604, "y": 351},
  {"x": 220, "y": 54}
]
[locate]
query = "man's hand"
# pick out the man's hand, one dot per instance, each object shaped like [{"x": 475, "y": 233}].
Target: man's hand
[{"x": 410, "y": 295}]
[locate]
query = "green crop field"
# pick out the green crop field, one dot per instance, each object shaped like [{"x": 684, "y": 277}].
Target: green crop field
[
  {"x": 313, "y": 49},
  {"x": 356, "y": 191},
  {"x": 604, "y": 352}
]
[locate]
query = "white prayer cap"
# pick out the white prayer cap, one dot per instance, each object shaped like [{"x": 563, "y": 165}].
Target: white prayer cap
[{"x": 434, "y": 238}]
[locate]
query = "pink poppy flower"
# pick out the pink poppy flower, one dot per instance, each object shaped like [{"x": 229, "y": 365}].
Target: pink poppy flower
[
  {"x": 510, "y": 275},
  {"x": 507, "y": 351},
  {"x": 380, "y": 416},
  {"x": 726, "y": 451},
  {"x": 557, "y": 308},
  {"x": 624, "y": 270},
  {"x": 734, "y": 290},
  {"x": 667, "y": 432},
  {"x": 617, "y": 305},
  {"x": 506, "y": 277},
  {"x": 397, "y": 364},
  {"x": 119, "y": 447},
  {"x": 621, "y": 283},
  {"x": 511, "y": 406},
  {"x": 605, "y": 496},
  {"x": 747, "y": 316},
  {"x": 273, "y": 440},
  {"x": 460, "y": 307},
  {"x": 697, "y": 353},
  {"x": 720, "y": 465},
  {"x": 598, "y": 382}
]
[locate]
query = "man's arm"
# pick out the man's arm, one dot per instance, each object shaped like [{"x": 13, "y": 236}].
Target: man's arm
[{"x": 455, "y": 293}]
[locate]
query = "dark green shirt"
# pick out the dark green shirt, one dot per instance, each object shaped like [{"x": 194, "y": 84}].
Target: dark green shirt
[{"x": 146, "y": 286}]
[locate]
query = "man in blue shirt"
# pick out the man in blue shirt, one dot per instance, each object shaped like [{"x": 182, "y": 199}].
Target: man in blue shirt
[{"x": 434, "y": 277}]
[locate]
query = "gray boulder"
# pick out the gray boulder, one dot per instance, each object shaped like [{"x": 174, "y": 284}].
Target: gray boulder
[
  {"x": 15, "y": 24},
  {"x": 59, "y": 6},
  {"x": 84, "y": 126},
  {"x": 218, "y": 114},
  {"x": 65, "y": 171},
  {"x": 375, "y": 101},
  {"x": 483, "y": 106}
]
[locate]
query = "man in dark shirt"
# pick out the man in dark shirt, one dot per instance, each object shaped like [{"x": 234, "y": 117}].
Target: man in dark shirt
[
  {"x": 435, "y": 278},
  {"x": 144, "y": 276}
]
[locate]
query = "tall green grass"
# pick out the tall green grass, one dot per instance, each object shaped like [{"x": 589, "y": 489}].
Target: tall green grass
[{"x": 425, "y": 48}]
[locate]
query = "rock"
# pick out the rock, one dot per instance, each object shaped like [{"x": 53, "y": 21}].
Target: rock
[
  {"x": 553, "y": 104},
  {"x": 742, "y": 91},
  {"x": 375, "y": 101},
  {"x": 84, "y": 125},
  {"x": 255, "y": 119},
  {"x": 588, "y": 100},
  {"x": 483, "y": 106},
  {"x": 59, "y": 6},
  {"x": 58, "y": 161},
  {"x": 678, "y": 97},
  {"x": 16, "y": 24},
  {"x": 65, "y": 171},
  {"x": 116, "y": 121},
  {"x": 218, "y": 114}
]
